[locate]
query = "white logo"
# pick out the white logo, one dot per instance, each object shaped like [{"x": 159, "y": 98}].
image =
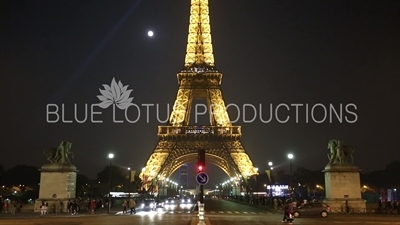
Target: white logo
[{"x": 116, "y": 94}]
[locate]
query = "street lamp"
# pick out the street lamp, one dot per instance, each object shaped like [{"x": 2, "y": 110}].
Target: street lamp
[
  {"x": 110, "y": 156},
  {"x": 130, "y": 178},
  {"x": 269, "y": 172},
  {"x": 257, "y": 199},
  {"x": 290, "y": 156}
]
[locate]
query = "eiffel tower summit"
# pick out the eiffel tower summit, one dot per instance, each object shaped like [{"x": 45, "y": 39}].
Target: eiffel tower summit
[{"x": 179, "y": 142}]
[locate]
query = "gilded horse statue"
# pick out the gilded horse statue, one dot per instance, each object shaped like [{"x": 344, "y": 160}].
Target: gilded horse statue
[
  {"x": 59, "y": 155},
  {"x": 339, "y": 153}
]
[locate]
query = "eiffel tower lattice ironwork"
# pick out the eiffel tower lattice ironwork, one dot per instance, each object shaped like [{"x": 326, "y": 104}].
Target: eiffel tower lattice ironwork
[{"x": 179, "y": 142}]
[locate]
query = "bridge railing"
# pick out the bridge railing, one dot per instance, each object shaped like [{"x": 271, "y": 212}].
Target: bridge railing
[{"x": 198, "y": 130}]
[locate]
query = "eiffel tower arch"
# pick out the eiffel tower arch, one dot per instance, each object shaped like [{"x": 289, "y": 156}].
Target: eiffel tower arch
[{"x": 179, "y": 141}]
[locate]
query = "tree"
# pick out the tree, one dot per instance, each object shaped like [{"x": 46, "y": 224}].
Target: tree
[
  {"x": 82, "y": 184},
  {"x": 119, "y": 176},
  {"x": 22, "y": 174},
  {"x": 309, "y": 180},
  {"x": 392, "y": 172},
  {"x": 24, "y": 179},
  {"x": 383, "y": 178},
  {"x": 1, "y": 174}
]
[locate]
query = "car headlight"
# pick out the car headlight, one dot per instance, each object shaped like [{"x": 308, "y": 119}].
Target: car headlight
[
  {"x": 151, "y": 204},
  {"x": 172, "y": 201},
  {"x": 142, "y": 205}
]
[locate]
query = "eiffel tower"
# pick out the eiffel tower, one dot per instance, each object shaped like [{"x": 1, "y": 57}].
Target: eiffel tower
[{"x": 179, "y": 142}]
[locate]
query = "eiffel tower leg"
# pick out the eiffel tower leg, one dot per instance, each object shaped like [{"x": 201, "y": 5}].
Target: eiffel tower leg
[
  {"x": 219, "y": 112},
  {"x": 241, "y": 158},
  {"x": 154, "y": 163},
  {"x": 179, "y": 115}
]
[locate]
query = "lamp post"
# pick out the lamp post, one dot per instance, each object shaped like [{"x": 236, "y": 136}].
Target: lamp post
[
  {"x": 130, "y": 178},
  {"x": 257, "y": 199},
  {"x": 110, "y": 156},
  {"x": 270, "y": 171},
  {"x": 290, "y": 156},
  {"x": 270, "y": 178}
]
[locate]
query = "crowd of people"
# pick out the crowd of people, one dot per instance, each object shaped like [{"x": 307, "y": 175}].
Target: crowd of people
[
  {"x": 10, "y": 206},
  {"x": 388, "y": 207}
]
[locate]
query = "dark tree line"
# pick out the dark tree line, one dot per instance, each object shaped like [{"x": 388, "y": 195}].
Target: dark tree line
[
  {"x": 386, "y": 178},
  {"x": 27, "y": 179}
]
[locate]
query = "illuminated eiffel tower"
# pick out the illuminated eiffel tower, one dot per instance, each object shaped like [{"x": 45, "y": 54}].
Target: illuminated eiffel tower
[{"x": 179, "y": 142}]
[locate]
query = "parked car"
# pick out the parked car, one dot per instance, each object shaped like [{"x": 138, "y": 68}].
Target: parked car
[
  {"x": 148, "y": 205},
  {"x": 312, "y": 209}
]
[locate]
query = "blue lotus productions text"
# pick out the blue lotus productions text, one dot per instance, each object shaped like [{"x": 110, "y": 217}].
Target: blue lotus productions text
[{"x": 246, "y": 113}]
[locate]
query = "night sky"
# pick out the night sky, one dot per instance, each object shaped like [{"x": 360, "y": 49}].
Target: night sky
[{"x": 270, "y": 53}]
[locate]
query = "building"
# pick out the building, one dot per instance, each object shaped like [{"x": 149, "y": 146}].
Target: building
[{"x": 183, "y": 177}]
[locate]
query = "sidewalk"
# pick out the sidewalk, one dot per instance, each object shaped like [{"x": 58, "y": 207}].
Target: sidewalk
[{"x": 31, "y": 214}]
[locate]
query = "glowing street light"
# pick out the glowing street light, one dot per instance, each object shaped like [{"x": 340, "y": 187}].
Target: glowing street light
[
  {"x": 110, "y": 156},
  {"x": 290, "y": 157}
]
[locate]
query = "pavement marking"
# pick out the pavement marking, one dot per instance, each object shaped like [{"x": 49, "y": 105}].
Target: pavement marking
[
  {"x": 195, "y": 221},
  {"x": 215, "y": 212}
]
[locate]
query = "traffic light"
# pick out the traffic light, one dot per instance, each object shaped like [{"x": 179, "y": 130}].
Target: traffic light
[
  {"x": 201, "y": 161},
  {"x": 200, "y": 168}
]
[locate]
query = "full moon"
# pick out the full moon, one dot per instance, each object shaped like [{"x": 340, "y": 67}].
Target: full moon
[{"x": 150, "y": 33}]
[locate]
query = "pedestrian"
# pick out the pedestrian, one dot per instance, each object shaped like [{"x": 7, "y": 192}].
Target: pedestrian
[
  {"x": 288, "y": 212},
  {"x": 275, "y": 203},
  {"x": 74, "y": 207},
  {"x": 42, "y": 210},
  {"x": 46, "y": 206},
  {"x": 69, "y": 206},
  {"x": 285, "y": 211},
  {"x": 5, "y": 206},
  {"x": 124, "y": 205},
  {"x": 13, "y": 206},
  {"x": 132, "y": 205},
  {"x": 92, "y": 206},
  {"x": 347, "y": 207}
]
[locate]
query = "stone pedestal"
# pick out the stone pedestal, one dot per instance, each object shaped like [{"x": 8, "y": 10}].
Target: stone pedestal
[
  {"x": 57, "y": 184},
  {"x": 342, "y": 183}
]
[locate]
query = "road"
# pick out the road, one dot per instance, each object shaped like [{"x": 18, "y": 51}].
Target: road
[{"x": 217, "y": 212}]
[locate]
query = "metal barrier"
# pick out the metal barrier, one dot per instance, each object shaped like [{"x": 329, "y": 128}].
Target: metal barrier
[
  {"x": 358, "y": 210},
  {"x": 351, "y": 210}
]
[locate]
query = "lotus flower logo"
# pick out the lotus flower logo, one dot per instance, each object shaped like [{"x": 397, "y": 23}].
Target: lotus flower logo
[{"x": 115, "y": 94}]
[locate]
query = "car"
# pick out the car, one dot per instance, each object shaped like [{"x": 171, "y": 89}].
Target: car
[
  {"x": 186, "y": 200},
  {"x": 312, "y": 209},
  {"x": 159, "y": 203},
  {"x": 170, "y": 201},
  {"x": 148, "y": 205}
]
